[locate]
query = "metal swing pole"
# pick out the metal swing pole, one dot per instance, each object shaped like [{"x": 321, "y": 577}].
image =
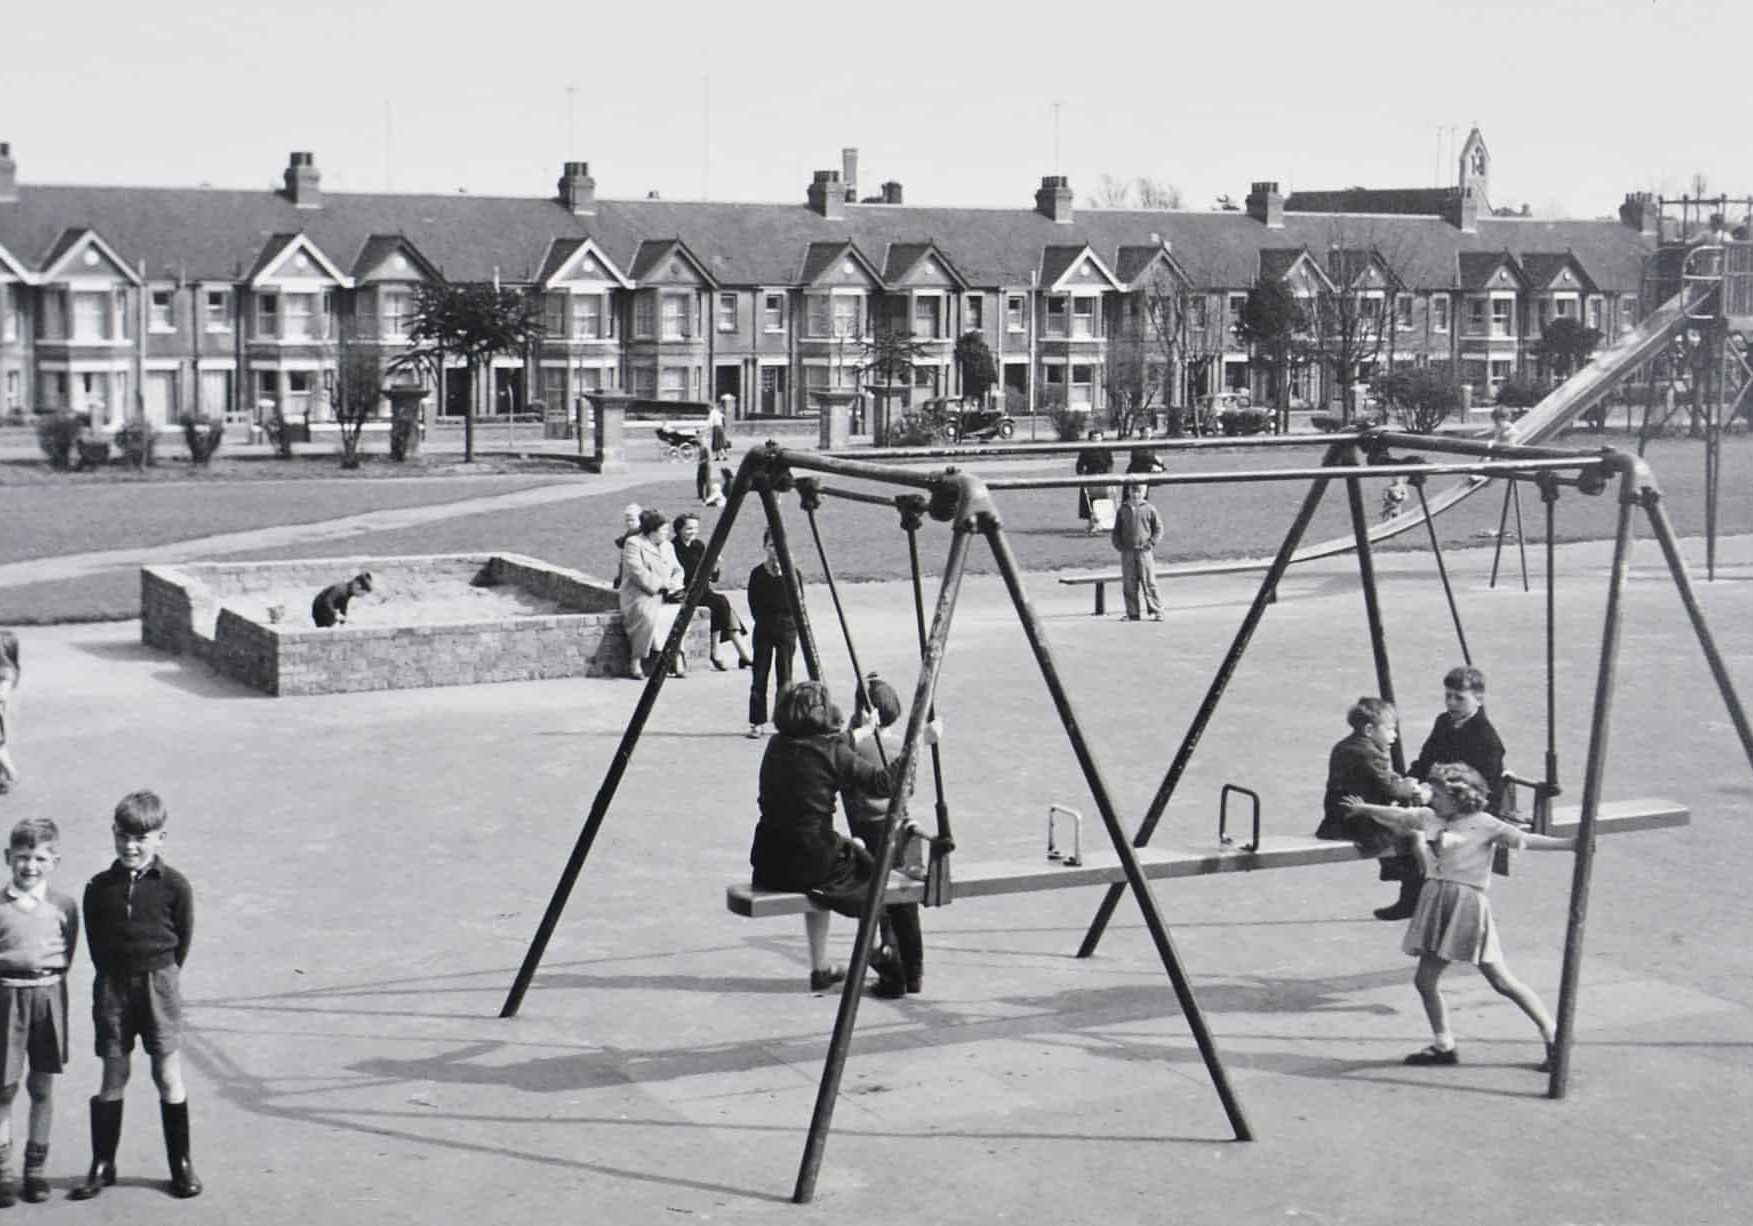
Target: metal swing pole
[
  {"x": 1577, "y": 920},
  {"x": 1548, "y": 484},
  {"x": 1366, "y": 570},
  {"x": 1511, "y": 494},
  {"x": 991, "y": 528},
  {"x": 938, "y": 889},
  {"x": 630, "y": 738},
  {"x": 840, "y": 1044},
  {"x": 1219, "y": 683},
  {"x": 1442, "y": 571}
]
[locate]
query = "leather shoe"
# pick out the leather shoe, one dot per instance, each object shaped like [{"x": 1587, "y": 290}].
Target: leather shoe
[
  {"x": 36, "y": 1189},
  {"x": 1434, "y": 1055},
  {"x": 184, "y": 1184},
  {"x": 1398, "y": 911},
  {"x": 1545, "y": 1066},
  {"x": 821, "y": 981}
]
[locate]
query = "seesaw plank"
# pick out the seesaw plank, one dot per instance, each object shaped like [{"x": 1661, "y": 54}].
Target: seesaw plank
[{"x": 990, "y": 878}]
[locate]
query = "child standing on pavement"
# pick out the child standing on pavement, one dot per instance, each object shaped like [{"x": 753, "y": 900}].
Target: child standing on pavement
[
  {"x": 39, "y": 929},
  {"x": 775, "y": 635},
  {"x": 9, "y": 675},
  {"x": 139, "y": 921},
  {"x": 1137, "y": 529},
  {"x": 1455, "y": 840}
]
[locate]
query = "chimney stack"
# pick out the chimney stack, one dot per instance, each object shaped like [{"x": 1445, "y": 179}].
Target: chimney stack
[
  {"x": 578, "y": 191},
  {"x": 8, "y": 173},
  {"x": 849, "y": 173},
  {"x": 304, "y": 182},
  {"x": 1053, "y": 199},
  {"x": 1464, "y": 209},
  {"x": 1265, "y": 204},
  {"x": 1640, "y": 213},
  {"x": 826, "y": 195},
  {"x": 891, "y": 192}
]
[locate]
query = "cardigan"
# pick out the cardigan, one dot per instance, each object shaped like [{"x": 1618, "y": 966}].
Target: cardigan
[{"x": 141, "y": 922}]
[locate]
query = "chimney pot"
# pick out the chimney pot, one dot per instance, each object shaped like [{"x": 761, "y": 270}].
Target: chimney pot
[
  {"x": 891, "y": 192},
  {"x": 849, "y": 175},
  {"x": 826, "y": 196},
  {"x": 8, "y": 173}
]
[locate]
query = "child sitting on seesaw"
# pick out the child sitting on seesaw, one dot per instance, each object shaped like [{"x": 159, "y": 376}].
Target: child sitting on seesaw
[
  {"x": 1455, "y": 841},
  {"x": 1360, "y": 766}
]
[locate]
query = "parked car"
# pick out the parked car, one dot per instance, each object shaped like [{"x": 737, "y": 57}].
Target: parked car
[{"x": 959, "y": 422}]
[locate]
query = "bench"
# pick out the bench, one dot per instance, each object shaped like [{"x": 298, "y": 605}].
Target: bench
[{"x": 1103, "y": 867}]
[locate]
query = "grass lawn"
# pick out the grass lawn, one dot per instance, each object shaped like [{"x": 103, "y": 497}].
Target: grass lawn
[{"x": 864, "y": 542}]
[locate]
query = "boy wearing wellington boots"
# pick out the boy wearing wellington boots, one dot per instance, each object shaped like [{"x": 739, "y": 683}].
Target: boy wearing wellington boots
[{"x": 139, "y": 920}]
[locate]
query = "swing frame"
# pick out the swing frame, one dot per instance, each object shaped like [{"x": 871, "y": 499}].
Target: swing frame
[{"x": 965, "y": 503}]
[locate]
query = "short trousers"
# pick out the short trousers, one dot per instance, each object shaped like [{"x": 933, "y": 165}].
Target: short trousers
[
  {"x": 33, "y": 1024},
  {"x": 143, "y": 1004}
]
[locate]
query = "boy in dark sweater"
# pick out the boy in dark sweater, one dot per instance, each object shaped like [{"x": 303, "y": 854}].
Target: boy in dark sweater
[
  {"x": 1360, "y": 765},
  {"x": 775, "y": 636},
  {"x": 139, "y": 920},
  {"x": 1462, "y": 733}
]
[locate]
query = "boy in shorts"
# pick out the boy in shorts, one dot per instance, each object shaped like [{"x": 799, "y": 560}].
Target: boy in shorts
[
  {"x": 139, "y": 920},
  {"x": 39, "y": 929}
]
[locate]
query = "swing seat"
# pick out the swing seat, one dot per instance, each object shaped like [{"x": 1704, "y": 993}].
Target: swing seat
[{"x": 1103, "y": 867}]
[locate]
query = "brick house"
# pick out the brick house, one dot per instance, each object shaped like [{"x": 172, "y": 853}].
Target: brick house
[{"x": 115, "y": 300}]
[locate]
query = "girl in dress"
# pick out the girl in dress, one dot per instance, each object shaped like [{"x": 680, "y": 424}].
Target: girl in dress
[{"x": 1452, "y": 922}]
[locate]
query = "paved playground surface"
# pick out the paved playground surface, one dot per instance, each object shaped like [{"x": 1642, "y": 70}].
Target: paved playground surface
[{"x": 370, "y": 869}]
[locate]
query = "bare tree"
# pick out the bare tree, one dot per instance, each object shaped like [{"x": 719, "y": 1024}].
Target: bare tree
[
  {"x": 1349, "y": 326},
  {"x": 1143, "y": 192}
]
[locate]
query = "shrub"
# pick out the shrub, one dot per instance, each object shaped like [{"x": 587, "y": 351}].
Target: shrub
[
  {"x": 202, "y": 436},
  {"x": 1421, "y": 397},
  {"x": 279, "y": 432},
  {"x": 138, "y": 440},
  {"x": 1326, "y": 423},
  {"x": 1244, "y": 421},
  {"x": 1520, "y": 392},
  {"x": 58, "y": 436},
  {"x": 912, "y": 430}
]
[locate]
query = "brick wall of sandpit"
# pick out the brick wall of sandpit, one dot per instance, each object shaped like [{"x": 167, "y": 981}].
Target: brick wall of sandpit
[{"x": 183, "y": 610}]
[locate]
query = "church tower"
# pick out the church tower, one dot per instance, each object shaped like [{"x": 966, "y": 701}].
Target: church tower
[{"x": 1475, "y": 169}]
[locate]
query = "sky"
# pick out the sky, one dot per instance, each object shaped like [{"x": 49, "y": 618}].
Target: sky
[{"x": 963, "y": 104}]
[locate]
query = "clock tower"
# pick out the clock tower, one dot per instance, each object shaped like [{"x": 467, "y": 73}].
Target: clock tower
[{"x": 1475, "y": 169}]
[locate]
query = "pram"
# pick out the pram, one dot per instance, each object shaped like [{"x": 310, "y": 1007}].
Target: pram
[{"x": 676, "y": 442}]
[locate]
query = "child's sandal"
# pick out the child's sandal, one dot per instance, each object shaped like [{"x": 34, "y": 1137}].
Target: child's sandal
[{"x": 1434, "y": 1055}]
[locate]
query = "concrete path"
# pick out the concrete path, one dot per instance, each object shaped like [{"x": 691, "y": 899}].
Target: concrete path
[{"x": 371, "y": 868}]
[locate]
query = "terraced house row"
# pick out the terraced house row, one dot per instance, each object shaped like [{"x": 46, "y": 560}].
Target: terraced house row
[{"x": 115, "y": 300}]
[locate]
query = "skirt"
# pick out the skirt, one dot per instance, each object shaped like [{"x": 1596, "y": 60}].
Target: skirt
[{"x": 1453, "y": 922}]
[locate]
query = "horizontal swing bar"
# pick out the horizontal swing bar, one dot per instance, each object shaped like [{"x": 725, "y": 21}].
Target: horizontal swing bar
[
  {"x": 1006, "y": 451},
  {"x": 1255, "y": 475}
]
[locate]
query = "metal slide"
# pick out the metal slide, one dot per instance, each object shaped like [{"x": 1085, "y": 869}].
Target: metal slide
[{"x": 1574, "y": 397}]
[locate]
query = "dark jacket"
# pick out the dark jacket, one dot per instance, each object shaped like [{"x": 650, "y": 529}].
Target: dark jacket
[
  {"x": 796, "y": 845},
  {"x": 768, "y": 605},
  {"x": 142, "y": 924},
  {"x": 1359, "y": 767},
  {"x": 1475, "y": 743}
]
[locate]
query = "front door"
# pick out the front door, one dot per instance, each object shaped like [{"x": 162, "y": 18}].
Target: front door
[
  {"x": 161, "y": 397},
  {"x": 772, "y": 390},
  {"x": 507, "y": 390}
]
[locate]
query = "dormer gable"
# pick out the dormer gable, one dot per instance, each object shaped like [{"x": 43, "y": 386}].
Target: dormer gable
[
  {"x": 82, "y": 255},
  {"x": 1482, "y": 271},
  {"x": 1361, "y": 270},
  {"x": 1075, "y": 267},
  {"x": 667, "y": 261},
  {"x": 293, "y": 261},
  {"x": 580, "y": 262},
  {"x": 838, "y": 265},
  {"x": 920, "y": 266},
  {"x": 1297, "y": 269},
  {"x": 392, "y": 258},
  {"x": 1557, "y": 272},
  {"x": 1136, "y": 266}
]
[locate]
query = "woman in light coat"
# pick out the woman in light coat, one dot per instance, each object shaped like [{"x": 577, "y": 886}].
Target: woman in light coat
[{"x": 650, "y": 573}]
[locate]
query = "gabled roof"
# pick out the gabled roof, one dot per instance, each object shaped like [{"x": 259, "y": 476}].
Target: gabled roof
[
  {"x": 1347, "y": 266},
  {"x": 215, "y": 235},
  {"x": 1133, "y": 262},
  {"x": 282, "y": 247},
  {"x": 380, "y": 247},
  {"x": 1478, "y": 267},
  {"x": 653, "y": 253},
  {"x": 819, "y": 258},
  {"x": 1278, "y": 263},
  {"x": 71, "y": 243},
  {"x": 1059, "y": 260},
  {"x": 565, "y": 255},
  {"x": 1543, "y": 268},
  {"x": 905, "y": 257}
]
